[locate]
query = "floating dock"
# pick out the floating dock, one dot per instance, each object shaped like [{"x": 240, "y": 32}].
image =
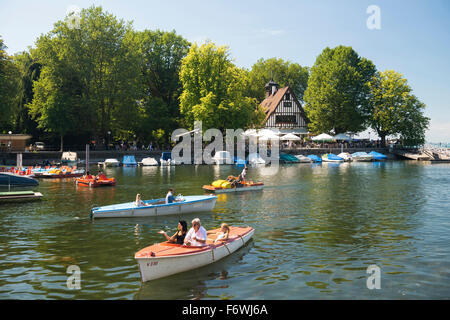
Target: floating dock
[{"x": 20, "y": 196}]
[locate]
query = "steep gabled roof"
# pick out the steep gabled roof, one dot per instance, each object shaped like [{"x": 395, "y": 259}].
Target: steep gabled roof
[{"x": 270, "y": 103}]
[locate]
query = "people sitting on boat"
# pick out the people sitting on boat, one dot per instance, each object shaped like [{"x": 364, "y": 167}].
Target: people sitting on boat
[
  {"x": 169, "y": 197},
  {"x": 179, "y": 236},
  {"x": 232, "y": 180},
  {"x": 222, "y": 235},
  {"x": 139, "y": 202},
  {"x": 88, "y": 175},
  {"x": 197, "y": 235},
  {"x": 100, "y": 176}
]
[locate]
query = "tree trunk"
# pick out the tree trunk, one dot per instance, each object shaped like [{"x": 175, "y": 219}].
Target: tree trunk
[
  {"x": 383, "y": 140},
  {"x": 62, "y": 143}
]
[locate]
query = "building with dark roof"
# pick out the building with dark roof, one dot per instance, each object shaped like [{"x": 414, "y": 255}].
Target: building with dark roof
[{"x": 284, "y": 112}]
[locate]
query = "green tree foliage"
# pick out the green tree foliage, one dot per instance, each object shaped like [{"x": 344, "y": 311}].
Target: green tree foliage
[
  {"x": 29, "y": 71},
  {"x": 161, "y": 54},
  {"x": 283, "y": 72},
  {"x": 8, "y": 89},
  {"x": 337, "y": 94},
  {"x": 90, "y": 76},
  {"x": 394, "y": 110},
  {"x": 213, "y": 90}
]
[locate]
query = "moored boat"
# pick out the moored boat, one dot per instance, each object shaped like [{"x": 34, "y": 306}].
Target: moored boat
[
  {"x": 301, "y": 158},
  {"x": 346, "y": 156},
  {"x": 166, "y": 159},
  {"x": 129, "y": 161},
  {"x": 60, "y": 173},
  {"x": 156, "y": 207},
  {"x": 111, "y": 162},
  {"x": 362, "y": 156},
  {"x": 288, "y": 158},
  {"x": 255, "y": 159},
  {"x": 330, "y": 157},
  {"x": 378, "y": 156},
  {"x": 165, "y": 259},
  {"x": 314, "y": 158},
  {"x": 222, "y": 157},
  {"x": 149, "y": 161},
  {"x": 16, "y": 180}
]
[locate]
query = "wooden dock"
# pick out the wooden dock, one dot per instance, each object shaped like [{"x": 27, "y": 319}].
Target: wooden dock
[{"x": 19, "y": 196}]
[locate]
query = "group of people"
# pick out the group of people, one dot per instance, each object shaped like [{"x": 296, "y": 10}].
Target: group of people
[
  {"x": 197, "y": 235},
  {"x": 169, "y": 198},
  {"x": 237, "y": 182}
]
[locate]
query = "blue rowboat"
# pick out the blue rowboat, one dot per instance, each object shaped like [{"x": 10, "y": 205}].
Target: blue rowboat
[{"x": 156, "y": 207}]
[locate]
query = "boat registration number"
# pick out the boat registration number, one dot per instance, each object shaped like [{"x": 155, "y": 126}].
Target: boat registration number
[{"x": 153, "y": 263}]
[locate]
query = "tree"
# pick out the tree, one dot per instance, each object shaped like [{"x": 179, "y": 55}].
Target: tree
[
  {"x": 90, "y": 76},
  {"x": 394, "y": 110},
  {"x": 283, "y": 72},
  {"x": 29, "y": 71},
  {"x": 8, "y": 89},
  {"x": 337, "y": 94},
  {"x": 213, "y": 90},
  {"x": 161, "y": 55}
]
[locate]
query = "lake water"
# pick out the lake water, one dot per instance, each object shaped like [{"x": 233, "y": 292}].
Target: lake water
[{"x": 318, "y": 228}]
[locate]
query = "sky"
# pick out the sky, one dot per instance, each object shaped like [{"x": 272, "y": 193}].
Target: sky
[{"x": 413, "y": 37}]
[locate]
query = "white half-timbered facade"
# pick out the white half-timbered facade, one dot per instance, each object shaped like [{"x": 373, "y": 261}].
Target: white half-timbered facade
[{"x": 284, "y": 112}]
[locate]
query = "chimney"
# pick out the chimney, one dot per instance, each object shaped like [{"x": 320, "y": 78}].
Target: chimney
[{"x": 271, "y": 88}]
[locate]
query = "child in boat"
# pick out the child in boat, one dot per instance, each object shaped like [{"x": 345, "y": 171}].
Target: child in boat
[
  {"x": 223, "y": 234},
  {"x": 179, "y": 236}
]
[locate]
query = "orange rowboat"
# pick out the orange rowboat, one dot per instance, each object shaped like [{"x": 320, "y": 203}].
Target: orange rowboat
[
  {"x": 164, "y": 259},
  {"x": 97, "y": 181}
]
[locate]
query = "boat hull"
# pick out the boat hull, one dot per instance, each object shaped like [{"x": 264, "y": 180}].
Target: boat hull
[
  {"x": 191, "y": 204},
  {"x": 256, "y": 187},
  {"x": 14, "y": 180},
  {"x": 187, "y": 258}
]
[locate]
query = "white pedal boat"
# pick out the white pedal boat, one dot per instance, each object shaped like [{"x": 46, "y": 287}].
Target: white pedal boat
[
  {"x": 165, "y": 259},
  {"x": 156, "y": 207},
  {"x": 149, "y": 162}
]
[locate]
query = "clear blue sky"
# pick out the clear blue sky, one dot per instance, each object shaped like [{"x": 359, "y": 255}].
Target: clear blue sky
[{"x": 414, "y": 38}]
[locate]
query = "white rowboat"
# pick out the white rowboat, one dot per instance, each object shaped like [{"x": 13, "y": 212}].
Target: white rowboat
[
  {"x": 164, "y": 259},
  {"x": 156, "y": 207}
]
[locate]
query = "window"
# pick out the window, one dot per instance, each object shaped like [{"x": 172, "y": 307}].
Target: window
[
  {"x": 287, "y": 119},
  {"x": 287, "y": 104},
  {"x": 287, "y": 96}
]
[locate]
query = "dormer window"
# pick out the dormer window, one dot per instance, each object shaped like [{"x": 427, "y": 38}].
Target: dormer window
[{"x": 287, "y": 96}]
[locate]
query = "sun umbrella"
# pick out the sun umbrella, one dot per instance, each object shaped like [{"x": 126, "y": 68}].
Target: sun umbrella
[
  {"x": 322, "y": 137},
  {"x": 268, "y": 136},
  {"x": 342, "y": 136},
  {"x": 290, "y": 137}
]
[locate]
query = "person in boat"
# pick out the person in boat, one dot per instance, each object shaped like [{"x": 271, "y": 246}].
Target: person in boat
[
  {"x": 242, "y": 177},
  {"x": 88, "y": 175},
  {"x": 197, "y": 235},
  {"x": 179, "y": 236},
  {"x": 169, "y": 197},
  {"x": 232, "y": 180},
  {"x": 100, "y": 176},
  {"x": 222, "y": 235},
  {"x": 139, "y": 202}
]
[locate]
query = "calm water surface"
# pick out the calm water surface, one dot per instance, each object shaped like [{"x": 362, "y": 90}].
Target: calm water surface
[{"x": 318, "y": 228}]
